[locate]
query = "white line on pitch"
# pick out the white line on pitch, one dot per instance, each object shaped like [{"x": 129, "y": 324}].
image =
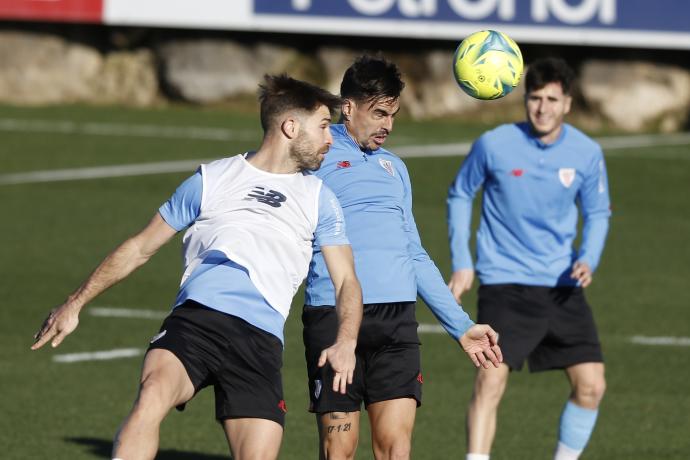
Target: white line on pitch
[
  {"x": 128, "y": 130},
  {"x": 128, "y": 313},
  {"x": 636, "y": 339},
  {"x": 98, "y": 355},
  {"x": 608, "y": 144},
  {"x": 428, "y": 151},
  {"x": 667, "y": 341},
  {"x": 139, "y": 169}
]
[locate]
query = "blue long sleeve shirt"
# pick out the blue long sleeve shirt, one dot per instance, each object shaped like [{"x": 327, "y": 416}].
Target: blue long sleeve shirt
[
  {"x": 374, "y": 190},
  {"x": 530, "y": 206}
]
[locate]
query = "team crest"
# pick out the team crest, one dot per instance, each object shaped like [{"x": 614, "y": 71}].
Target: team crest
[
  {"x": 387, "y": 165},
  {"x": 566, "y": 176}
]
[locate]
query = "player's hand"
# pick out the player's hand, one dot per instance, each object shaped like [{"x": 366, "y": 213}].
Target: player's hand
[
  {"x": 461, "y": 282},
  {"x": 582, "y": 273},
  {"x": 61, "y": 322},
  {"x": 341, "y": 357},
  {"x": 480, "y": 342}
]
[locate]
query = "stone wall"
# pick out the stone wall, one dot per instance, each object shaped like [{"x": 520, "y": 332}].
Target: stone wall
[{"x": 39, "y": 67}]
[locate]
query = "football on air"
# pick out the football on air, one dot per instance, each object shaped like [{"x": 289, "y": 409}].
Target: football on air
[{"x": 487, "y": 64}]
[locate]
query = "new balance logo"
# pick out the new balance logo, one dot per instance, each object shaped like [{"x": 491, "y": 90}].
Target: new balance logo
[{"x": 271, "y": 197}]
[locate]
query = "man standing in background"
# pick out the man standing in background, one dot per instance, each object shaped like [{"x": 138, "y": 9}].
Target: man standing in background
[{"x": 534, "y": 175}]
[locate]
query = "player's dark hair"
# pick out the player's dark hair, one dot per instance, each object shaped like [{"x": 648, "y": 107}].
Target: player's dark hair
[
  {"x": 371, "y": 78},
  {"x": 549, "y": 70},
  {"x": 280, "y": 93}
]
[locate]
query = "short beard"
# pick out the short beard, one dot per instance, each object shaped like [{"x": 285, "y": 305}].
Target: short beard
[{"x": 304, "y": 153}]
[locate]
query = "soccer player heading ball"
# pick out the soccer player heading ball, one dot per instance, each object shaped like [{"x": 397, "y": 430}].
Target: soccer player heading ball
[{"x": 252, "y": 220}]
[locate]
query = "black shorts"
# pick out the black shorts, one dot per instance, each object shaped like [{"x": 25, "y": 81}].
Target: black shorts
[
  {"x": 552, "y": 328},
  {"x": 240, "y": 361},
  {"x": 388, "y": 358}
]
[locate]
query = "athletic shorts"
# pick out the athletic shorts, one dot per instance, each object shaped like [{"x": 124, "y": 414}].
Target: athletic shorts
[
  {"x": 388, "y": 358},
  {"x": 240, "y": 361},
  {"x": 552, "y": 328}
]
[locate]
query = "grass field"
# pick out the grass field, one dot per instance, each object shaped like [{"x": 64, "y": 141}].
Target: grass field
[{"x": 53, "y": 234}]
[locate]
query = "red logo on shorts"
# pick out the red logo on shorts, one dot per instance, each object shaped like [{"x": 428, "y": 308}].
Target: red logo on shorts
[
  {"x": 516, "y": 172},
  {"x": 282, "y": 406},
  {"x": 344, "y": 164},
  {"x": 420, "y": 379}
]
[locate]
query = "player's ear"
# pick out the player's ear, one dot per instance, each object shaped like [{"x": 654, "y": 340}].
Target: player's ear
[
  {"x": 567, "y": 102},
  {"x": 346, "y": 108},
  {"x": 290, "y": 127}
]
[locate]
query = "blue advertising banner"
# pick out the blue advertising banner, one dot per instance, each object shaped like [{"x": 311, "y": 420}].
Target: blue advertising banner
[{"x": 645, "y": 23}]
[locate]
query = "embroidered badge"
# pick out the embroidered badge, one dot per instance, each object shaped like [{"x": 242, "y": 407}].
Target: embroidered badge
[
  {"x": 566, "y": 176},
  {"x": 387, "y": 165}
]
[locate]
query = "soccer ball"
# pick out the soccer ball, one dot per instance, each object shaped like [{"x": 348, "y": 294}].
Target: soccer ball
[{"x": 487, "y": 64}]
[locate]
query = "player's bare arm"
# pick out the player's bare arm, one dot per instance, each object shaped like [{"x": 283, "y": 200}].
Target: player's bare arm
[
  {"x": 131, "y": 254},
  {"x": 480, "y": 342},
  {"x": 348, "y": 300},
  {"x": 461, "y": 282}
]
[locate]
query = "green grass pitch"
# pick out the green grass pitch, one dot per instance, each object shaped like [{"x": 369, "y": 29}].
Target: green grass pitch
[{"x": 54, "y": 233}]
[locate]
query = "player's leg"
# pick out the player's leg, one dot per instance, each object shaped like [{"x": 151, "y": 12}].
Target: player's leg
[
  {"x": 392, "y": 422},
  {"x": 393, "y": 377},
  {"x": 253, "y": 438},
  {"x": 521, "y": 322},
  {"x": 338, "y": 435},
  {"x": 573, "y": 344},
  {"x": 580, "y": 412},
  {"x": 489, "y": 386},
  {"x": 164, "y": 385},
  {"x": 337, "y": 415}
]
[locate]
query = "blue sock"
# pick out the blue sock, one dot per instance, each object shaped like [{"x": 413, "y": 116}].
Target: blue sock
[{"x": 576, "y": 425}]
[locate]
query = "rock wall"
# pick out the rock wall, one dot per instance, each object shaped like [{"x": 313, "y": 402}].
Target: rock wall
[{"x": 42, "y": 68}]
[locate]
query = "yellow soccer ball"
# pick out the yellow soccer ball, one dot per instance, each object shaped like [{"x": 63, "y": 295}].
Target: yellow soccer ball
[{"x": 487, "y": 64}]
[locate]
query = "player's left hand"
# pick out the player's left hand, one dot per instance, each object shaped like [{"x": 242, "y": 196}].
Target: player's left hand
[
  {"x": 582, "y": 273},
  {"x": 341, "y": 357},
  {"x": 480, "y": 342}
]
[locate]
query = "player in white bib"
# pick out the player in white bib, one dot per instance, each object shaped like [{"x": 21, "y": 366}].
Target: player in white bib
[{"x": 251, "y": 221}]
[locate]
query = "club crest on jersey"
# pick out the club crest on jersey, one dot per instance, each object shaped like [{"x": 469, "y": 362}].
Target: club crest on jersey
[
  {"x": 566, "y": 176},
  {"x": 271, "y": 197},
  {"x": 387, "y": 165}
]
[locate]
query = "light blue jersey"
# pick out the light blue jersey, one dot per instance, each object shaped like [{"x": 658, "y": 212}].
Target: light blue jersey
[
  {"x": 223, "y": 285},
  {"x": 530, "y": 206},
  {"x": 374, "y": 190}
]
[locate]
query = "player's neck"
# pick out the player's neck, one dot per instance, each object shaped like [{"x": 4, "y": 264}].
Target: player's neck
[{"x": 273, "y": 158}]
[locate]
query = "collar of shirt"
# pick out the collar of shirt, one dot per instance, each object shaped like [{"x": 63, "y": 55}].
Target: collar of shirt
[{"x": 525, "y": 128}]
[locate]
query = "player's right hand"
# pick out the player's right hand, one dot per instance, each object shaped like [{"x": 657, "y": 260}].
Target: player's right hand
[
  {"x": 341, "y": 357},
  {"x": 61, "y": 322},
  {"x": 480, "y": 342},
  {"x": 461, "y": 282}
]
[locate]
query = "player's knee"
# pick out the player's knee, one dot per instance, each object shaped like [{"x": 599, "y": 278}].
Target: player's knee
[
  {"x": 393, "y": 448},
  {"x": 489, "y": 386},
  {"x": 340, "y": 451},
  {"x": 152, "y": 399},
  {"x": 588, "y": 393}
]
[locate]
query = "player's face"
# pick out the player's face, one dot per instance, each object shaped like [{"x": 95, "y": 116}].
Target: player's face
[
  {"x": 313, "y": 140},
  {"x": 370, "y": 123},
  {"x": 546, "y": 108}
]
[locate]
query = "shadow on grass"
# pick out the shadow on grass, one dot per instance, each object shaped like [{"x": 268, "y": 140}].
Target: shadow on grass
[{"x": 102, "y": 448}]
